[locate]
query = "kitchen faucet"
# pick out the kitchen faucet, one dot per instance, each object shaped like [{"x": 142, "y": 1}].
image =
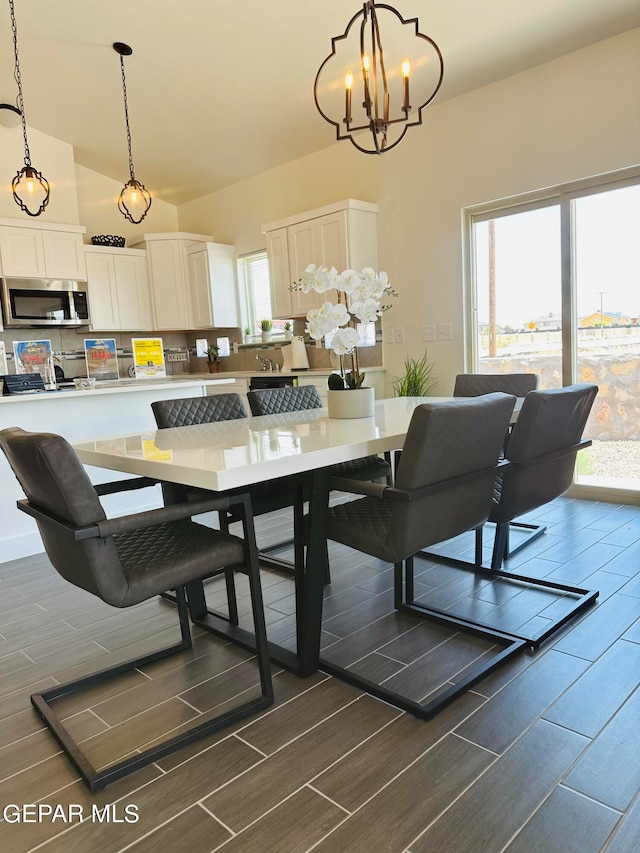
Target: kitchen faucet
[{"x": 263, "y": 363}]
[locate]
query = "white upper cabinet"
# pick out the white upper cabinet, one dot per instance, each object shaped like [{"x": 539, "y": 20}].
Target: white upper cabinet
[
  {"x": 279, "y": 281},
  {"x": 193, "y": 281},
  {"x": 341, "y": 235},
  {"x": 46, "y": 251},
  {"x": 118, "y": 289},
  {"x": 212, "y": 285}
]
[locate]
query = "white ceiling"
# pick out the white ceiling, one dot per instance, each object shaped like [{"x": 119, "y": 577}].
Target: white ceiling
[{"x": 220, "y": 90}]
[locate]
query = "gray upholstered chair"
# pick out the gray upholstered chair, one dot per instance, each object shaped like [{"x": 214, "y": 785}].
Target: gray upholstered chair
[
  {"x": 124, "y": 561},
  {"x": 542, "y": 450},
  {"x": 518, "y": 384},
  {"x": 541, "y": 459},
  {"x": 277, "y": 401},
  {"x": 444, "y": 487},
  {"x": 265, "y": 497},
  {"x": 198, "y": 410},
  {"x": 476, "y": 384}
]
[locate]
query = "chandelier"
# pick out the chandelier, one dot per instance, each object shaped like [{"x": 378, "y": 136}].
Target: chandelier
[
  {"x": 30, "y": 188},
  {"x": 134, "y": 200},
  {"x": 378, "y": 121}
]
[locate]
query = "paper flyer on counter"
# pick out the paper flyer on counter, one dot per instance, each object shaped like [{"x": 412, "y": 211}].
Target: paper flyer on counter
[
  {"x": 101, "y": 355},
  {"x": 34, "y": 357},
  {"x": 148, "y": 358},
  {"x": 3, "y": 359}
]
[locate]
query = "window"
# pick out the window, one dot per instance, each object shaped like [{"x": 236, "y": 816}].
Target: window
[
  {"x": 255, "y": 273},
  {"x": 553, "y": 291}
]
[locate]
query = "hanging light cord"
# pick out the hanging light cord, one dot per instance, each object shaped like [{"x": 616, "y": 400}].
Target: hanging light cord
[
  {"x": 18, "y": 79},
  {"x": 126, "y": 116}
]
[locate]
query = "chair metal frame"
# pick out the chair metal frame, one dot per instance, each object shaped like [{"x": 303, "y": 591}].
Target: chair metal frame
[
  {"x": 583, "y": 597},
  {"x": 509, "y": 645},
  {"x": 98, "y": 778}
]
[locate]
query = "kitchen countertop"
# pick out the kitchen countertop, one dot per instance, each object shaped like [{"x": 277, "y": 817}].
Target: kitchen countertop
[
  {"x": 316, "y": 371},
  {"x": 125, "y": 386}
]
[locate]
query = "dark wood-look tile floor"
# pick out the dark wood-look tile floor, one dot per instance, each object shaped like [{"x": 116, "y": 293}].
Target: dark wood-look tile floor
[{"x": 542, "y": 755}]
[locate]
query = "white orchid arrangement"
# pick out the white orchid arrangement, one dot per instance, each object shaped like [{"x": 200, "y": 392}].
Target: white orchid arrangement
[{"x": 360, "y": 296}]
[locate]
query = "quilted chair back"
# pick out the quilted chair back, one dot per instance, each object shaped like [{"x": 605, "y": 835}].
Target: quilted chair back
[
  {"x": 198, "y": 410},
  {"x": 476, "y": 384},
  {"x": 549, "y": 422},
  {"x": 276, "y": 401},
  {"x": 446, "y": 441},
  {"x": 54, "y": 480}
]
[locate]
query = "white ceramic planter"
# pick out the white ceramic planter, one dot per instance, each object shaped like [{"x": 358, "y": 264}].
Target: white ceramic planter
[
  {"x": 358, "y": 403},
  {"x": 266, "y": 337}
]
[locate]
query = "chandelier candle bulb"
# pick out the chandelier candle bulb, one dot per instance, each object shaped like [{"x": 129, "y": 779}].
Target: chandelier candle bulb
[
  {"x": 406, "y": 70},
  {"x": 348, "y": 83},
  {"x": 365, "y": 76}
]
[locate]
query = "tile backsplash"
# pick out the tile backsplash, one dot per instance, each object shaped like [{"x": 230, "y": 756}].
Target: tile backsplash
[{"x": 68, "y": 348}]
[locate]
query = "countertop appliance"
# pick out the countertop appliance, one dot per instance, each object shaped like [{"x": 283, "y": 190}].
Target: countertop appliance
[
  {"x": 39, "y": 302},
  {"x": 294, "y": 356},
  {"x": 271, "y": 380}
]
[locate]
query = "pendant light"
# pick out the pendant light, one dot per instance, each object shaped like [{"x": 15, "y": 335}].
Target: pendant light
[
  {"x": 363, "y": 89},
  {"x": 30, "y": 187},
  {"x": 134, "y": 200}
]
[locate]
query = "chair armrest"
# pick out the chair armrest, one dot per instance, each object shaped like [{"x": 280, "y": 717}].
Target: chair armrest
[
  {"x": 393, "y": 493},
  {"x": 358, "y": 487},
  {"x": 173, "y": 512},
  {"x": 553, "y": 456},
  {"x": 125, "y": 485},
  {"x": 150, "y": 518}
]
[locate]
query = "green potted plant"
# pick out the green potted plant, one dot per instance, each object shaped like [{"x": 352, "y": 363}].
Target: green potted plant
[
  {"x": 247, "y": 334},
  {"x": 266, "y": 327},
  {"x": 212, "y": 359},
  {"x": 417, "y": 380},
  {"x": 288, "y": 330}
]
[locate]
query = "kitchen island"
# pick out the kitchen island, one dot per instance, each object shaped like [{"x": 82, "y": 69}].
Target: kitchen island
[{"x": 111, "y": 408}]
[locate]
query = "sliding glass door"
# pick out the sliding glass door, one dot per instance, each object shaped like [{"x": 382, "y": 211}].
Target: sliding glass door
[
  {"x": 606, "y": 279},
  {"x": 554, "y": 289}
]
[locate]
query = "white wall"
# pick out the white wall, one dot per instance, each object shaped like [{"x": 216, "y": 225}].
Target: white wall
[
  {"x": 98, "y": 206},
  {"x": 51, "y": 157},
  {"x": 565, "y": 120},
  {"x": 79, "y": 196}
]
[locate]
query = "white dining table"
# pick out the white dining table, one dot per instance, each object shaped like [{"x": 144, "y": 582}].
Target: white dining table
[{"x": 232, "y": 454}]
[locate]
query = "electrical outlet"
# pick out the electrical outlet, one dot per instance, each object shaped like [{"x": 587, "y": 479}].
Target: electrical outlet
[
  {"x": 444, "y": 332},
  {"x": 428, "y": 334},
  {"x": 389, "y": 336},
  {"x": 399, "y": 334}
]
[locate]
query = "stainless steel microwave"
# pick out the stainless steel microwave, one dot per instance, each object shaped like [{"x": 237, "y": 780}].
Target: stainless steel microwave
[{"x": 43, "y": 302}]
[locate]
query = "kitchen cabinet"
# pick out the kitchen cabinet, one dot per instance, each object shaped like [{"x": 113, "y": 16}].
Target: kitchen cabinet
[
  {"x": 118, "y": 288},
  {"x": 342, "y": 235},
  {"x": 190, "y": 294},
  {"x": 212, "y": 285},
  {"x": 46, "y": 251}
]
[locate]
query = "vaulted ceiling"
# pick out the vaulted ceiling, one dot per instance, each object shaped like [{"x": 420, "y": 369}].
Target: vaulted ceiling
[{"x": 220, "y": 91}]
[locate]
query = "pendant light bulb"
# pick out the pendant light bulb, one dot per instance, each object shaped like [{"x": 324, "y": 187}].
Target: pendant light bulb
[
  {"x": 134, "y": 200},
  {"x": 29, "y": 187}
]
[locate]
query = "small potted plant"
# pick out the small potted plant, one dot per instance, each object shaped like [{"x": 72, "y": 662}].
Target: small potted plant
[
  {"x": 247, "y": 334},
  {"x": 417, "y": 380},
  {"x": 288, "y": 330},
  {"x": 212, "y": 359},
  {"x": 266, "y": 327}
]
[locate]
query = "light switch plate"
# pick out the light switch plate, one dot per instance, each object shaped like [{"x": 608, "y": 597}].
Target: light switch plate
[
  {"x": 399, "y": 335},
  {"x": 428, "y": 334},
  {"x": 444, "y": 332},
  {"x": 389, "y": 335}
]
